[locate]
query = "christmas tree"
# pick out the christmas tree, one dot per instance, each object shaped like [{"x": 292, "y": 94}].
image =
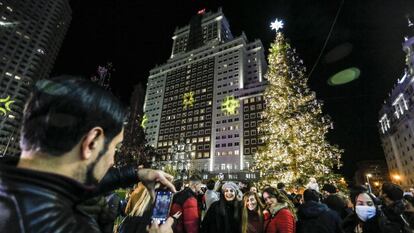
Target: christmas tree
[
  {"x": 294, "y": 128},
  {"x": 135, "y": 150}
]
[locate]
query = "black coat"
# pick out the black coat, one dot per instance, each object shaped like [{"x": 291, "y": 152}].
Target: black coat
[
  {"x": 223, "y": 217},
  {"x": 378, "y": 224},
  {"x": 317, "y": 217},
  {"x": 37, "y": 202},
  {"x": 338, "y": 204}
]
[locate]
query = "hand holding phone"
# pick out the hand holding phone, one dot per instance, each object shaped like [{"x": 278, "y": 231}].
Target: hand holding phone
[
  {"x": 164, "y": 228},
  {"x": 161, "y": 209}
]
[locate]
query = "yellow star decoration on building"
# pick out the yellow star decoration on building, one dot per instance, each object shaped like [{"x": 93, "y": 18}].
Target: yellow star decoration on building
[
  {"x": 188, "y": 99},
  {"x": 230, "y": 105},
  {"x": 144, "y": 121},
  {"x": 7, "y": 102}
]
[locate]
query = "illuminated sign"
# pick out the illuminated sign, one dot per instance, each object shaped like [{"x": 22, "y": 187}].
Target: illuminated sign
[
  {"x": 230, "y": 105},
  {"x": 188, "y": 99},
  {"x": 7, "y": 102},
  {"x": 144, "y": 121}
]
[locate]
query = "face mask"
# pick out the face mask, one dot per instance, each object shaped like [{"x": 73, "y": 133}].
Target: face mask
[{"x": 365, "y": 212}]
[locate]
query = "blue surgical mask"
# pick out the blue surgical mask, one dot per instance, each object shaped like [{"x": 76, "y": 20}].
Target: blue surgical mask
[{"x": 365, "y": 212}]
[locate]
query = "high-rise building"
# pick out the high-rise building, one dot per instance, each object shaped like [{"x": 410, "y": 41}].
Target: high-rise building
[
  {"x": 396, "y": 121},
  {"x": 31, "y": 33},
  {"x": 204, "y": 104}
]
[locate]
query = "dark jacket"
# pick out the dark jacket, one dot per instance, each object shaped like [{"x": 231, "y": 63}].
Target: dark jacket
[
  {"x": 255, "y": 223},
  {"x": 135, "y": 224},
  {"x": 317, "y": 217},
  {"x": 186, "y": 202},
  {"x": 35, "y": 202},
  {"x": 378, "y": 224},
  {"x": 394, "y": 215},
  {"x": 338, "y": 204},
  {"x": 372, "y": 225},
  {"x": 104, "y": 209},
  {"x": 223, "y": 217}
]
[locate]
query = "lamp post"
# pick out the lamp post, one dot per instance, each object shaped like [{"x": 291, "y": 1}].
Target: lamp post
[
  {"x": 397, "y": 178},
  {"x": 369, "y": 185}
]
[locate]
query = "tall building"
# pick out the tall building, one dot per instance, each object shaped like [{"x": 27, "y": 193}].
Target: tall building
[
  {"x": 396, "y": 121},
  {"x": 204, "y": 103},
  {"x": 31, "y": 33}
]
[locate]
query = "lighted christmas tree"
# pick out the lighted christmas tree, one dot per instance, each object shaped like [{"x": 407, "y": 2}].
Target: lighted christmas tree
[{"x": 294, "y": 128}]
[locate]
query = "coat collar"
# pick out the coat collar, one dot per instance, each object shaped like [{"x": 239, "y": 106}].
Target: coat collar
[{"x": 51, "y": 183}]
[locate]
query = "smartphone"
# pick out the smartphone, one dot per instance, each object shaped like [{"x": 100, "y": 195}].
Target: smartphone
[{"x": 162, "y": 205}]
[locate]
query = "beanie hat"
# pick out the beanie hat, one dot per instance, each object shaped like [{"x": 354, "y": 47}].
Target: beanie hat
[
  {"x": 230, "y": 185},
  {"x": 393, "y": 191},
  {"x": 330, "y": 188}
]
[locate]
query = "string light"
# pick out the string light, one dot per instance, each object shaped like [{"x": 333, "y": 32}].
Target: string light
[{"x": 294, "y": 128}]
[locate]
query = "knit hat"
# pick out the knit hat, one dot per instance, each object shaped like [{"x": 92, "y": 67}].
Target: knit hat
[
  {"x": 330, "y": 188},
  {"x": 393, "y": 191},
  {"x": 230, "y": 185}
]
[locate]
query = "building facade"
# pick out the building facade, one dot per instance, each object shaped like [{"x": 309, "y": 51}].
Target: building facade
[
  {"x": 204, "y": 103},
  {"x": 31, "y": 33},
  {"x": 396, "y": 121}
]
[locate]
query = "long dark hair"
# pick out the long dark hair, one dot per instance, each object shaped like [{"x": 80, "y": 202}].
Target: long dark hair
[
  {"x": 234, "y": 204},
  {"x": 281, "y": 198}
]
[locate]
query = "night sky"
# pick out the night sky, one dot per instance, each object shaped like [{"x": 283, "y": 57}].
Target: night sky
[{"x": 136, "y": 35}]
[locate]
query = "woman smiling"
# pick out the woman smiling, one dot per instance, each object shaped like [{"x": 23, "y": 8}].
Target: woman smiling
[{"x": 252, "y": 213}]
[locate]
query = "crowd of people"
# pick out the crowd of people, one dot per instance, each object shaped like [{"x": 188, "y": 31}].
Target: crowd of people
[
  {"x": 64, "y": 182},
  {"x": 228, "y": 207}
]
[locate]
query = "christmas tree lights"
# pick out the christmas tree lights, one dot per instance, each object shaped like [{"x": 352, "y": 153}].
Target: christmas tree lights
[{"x": 294, "y": 128}]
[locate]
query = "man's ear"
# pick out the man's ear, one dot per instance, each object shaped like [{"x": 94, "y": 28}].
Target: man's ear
[{"x": 91, "y": 142}]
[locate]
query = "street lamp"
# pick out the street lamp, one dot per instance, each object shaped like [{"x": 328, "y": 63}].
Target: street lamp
[
  {"x": 369, "y": 185},
  {"x": 397, "y": 178}
]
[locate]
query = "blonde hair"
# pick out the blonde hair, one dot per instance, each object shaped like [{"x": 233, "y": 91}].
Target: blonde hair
[{"x": 139, "y": 201}]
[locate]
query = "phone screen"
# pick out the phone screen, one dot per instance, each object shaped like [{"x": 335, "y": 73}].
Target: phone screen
[{"x": 162, "y": 205}]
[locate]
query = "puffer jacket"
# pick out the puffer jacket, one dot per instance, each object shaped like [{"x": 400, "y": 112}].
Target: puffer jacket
[
  {"x": 186, "y": 202},
  {"x": 281, "y": 221},
  {"x": 39, "y": 202}
]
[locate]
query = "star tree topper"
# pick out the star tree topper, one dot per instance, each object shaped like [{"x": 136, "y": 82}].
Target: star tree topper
[{"x": 276, "y": 25}]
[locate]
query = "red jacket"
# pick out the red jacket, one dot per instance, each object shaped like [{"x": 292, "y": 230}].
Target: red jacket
[
  {"x": 186, "y": 202},
  {"x": 282, "y": 222}
]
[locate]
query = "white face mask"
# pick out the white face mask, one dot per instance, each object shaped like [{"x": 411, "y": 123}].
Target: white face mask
[{"x": 365, "y": 212}]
